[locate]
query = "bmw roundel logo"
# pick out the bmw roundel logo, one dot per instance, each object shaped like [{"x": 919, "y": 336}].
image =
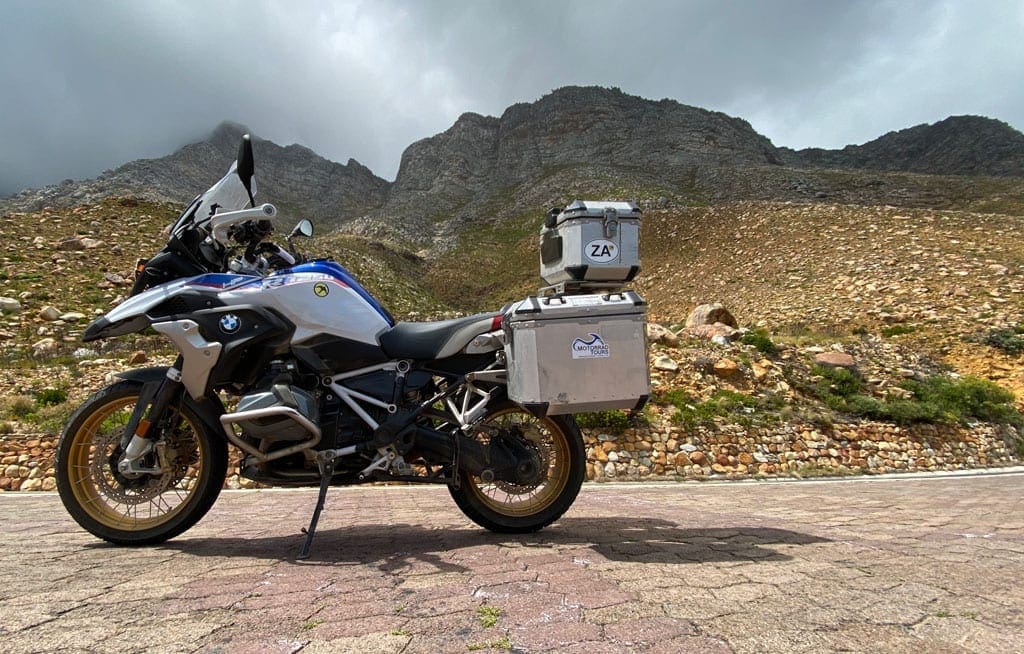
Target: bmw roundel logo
[{"x": 230, "y": 323}]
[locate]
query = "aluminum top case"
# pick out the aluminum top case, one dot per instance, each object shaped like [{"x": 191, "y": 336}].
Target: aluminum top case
[
  {"x": 577, "y": 353},
  {"x": 591, "y": 241}
]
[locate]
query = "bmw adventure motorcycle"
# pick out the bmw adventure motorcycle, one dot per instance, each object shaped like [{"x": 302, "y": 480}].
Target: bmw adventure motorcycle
[{"x": 324, "y": 388}]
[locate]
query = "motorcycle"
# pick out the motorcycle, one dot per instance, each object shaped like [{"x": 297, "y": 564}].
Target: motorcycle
[{"x": 294, "y": 363}]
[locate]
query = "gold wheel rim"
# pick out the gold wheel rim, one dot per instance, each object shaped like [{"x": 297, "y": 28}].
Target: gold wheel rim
[
  {"x": 517, "y": 501},
  {"x": 154, "y": 500}
]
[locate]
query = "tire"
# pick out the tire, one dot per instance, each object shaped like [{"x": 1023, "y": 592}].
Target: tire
[
  {"x": 151, "y": 508},
  {"x": 512, "y": 509}
]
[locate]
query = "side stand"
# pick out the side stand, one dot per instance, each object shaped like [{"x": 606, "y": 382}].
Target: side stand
[{"x": 326, "y": 472}]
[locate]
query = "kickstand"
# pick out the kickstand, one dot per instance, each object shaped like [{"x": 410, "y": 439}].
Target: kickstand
[{"x": 326, "y": 472}]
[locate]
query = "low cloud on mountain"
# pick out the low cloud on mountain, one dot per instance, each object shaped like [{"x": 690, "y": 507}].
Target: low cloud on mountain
[{"x": 89, "y": 86}]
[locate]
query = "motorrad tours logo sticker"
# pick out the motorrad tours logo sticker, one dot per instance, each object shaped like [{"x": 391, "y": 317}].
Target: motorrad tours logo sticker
[
  {"x": 594, "y": 348},
  {"x": 320, "y": 289},
  {"x": 229, "y": 323},
  {"x": 601, "y": 250}
]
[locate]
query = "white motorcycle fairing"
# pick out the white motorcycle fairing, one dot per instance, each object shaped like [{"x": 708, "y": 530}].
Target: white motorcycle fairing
[{"x": 316, "y": 310}]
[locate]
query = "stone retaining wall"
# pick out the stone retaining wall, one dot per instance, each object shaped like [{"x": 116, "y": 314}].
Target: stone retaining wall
[
  {"x": 672, "y": 452},
  {"x": 737, "y": 451}
]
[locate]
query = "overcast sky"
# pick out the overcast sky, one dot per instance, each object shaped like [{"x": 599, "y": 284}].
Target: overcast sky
[{"x": 86, "y": 86}]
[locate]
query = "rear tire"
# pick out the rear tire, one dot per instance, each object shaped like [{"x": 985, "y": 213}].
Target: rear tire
[
  {"x": 509, "y": 508},
  {"x": 151, "y": 508}
]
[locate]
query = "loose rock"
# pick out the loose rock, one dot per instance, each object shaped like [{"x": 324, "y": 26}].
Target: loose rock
[
  {"x": 665, "y": 362},
  {"x": 9, "y": 305},
  {"x": 137, "y": 357},
  {"x": 49, "y": 313},
  {"x": 726, "y": 368},
  {"x": 659, "y": 334}
]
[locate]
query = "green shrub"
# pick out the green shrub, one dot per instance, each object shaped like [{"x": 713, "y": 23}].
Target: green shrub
[
  {"x": 936, "y": 399},
  {"x": 51, "y": 419},
  {"x": 898, "y": 330},
  {"x": 970, "y": 397},
  {"x": 1010, "y": 341},
  {"x": 613, "y": 421},
  {"x": 760, "y": 339},
  {"x": 51, "y": 397},
  {"x": 738, "y": 407},
  {"x": 835, "y": 381},
  {"x": 19, "y": 406}
]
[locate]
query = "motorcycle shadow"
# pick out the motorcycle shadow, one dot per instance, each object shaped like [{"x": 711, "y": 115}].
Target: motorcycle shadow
[{"x": 395, "y": 546}]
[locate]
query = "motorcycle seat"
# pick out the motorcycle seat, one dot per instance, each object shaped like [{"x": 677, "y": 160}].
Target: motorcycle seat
[{"x": 434, "y": 340}]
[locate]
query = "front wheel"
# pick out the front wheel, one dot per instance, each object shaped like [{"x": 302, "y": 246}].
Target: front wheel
[
  {"x": 516, "y": 508},
  {"x": 142, "y": 509}
]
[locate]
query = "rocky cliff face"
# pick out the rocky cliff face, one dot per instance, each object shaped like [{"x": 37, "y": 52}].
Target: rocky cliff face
[
  {"x": 587, "y": 140},
  {"x": 296, "y": 179},
  {"x": 537, "y": 152}
]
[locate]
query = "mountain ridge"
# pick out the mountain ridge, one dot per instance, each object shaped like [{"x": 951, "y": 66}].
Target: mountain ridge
[
  {"x": 572, "y": 140},
  {"x": 926, "y": 147},
  {"x": 286, "y": 175}
]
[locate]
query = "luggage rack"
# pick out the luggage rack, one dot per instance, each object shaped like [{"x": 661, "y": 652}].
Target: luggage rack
[{"x": 580, "y": 288}]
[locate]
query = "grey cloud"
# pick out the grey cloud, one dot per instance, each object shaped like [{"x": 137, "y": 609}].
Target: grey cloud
[{"x": 91, "y": 85}]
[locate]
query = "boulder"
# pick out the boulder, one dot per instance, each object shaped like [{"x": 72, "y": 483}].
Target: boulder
[
  {"x": 836, "y": 360},
  {"x": 709, "y": 314}
]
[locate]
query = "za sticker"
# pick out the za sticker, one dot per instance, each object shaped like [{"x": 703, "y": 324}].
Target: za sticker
[
  {"x": 601, "y": 251},
  {"x": 594, "y": 348},
  {"x": 320, "y": 289}
]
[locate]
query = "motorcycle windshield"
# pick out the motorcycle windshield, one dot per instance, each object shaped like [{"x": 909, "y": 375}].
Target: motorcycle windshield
[{"x": 228, "y": 194}]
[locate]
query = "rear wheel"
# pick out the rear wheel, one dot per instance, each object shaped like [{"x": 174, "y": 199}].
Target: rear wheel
[
  {"x": 508, "y": 507},
  {"x": 139, "y": 509}
]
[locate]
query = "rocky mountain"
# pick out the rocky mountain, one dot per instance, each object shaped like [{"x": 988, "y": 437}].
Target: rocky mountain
[
  {"x": 958, "y": 145},
  {"x": 569, "y": 127},
  {"x": 582, "y": 142},
  {"x": 588, "y": 141},
  {"x": 294, "y": 178}
]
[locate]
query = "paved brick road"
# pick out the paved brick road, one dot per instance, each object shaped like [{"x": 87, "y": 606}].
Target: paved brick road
[{"x": 908, "y": 565}]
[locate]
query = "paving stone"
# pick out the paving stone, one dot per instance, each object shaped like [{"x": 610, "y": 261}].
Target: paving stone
[{"x": 863, "y": 566}]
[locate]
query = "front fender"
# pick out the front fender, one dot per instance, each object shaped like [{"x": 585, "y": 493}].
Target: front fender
[{"x": 209, "y": 408}]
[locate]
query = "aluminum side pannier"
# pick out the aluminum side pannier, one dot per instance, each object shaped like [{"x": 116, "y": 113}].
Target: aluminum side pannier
[{"x": 577, "y": 353}]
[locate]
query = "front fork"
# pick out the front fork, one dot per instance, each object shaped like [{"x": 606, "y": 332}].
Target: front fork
[{"x": 139, "y": 438}]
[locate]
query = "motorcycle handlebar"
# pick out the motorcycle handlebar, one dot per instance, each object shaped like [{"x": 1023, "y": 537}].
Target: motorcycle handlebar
[{"x": 221, "y": 222}]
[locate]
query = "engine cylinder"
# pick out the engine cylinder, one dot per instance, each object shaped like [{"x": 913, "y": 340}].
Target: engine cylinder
[{"x": 280, "y": 427}]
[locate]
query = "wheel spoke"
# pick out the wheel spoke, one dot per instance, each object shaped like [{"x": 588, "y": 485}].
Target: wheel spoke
[
  {"x": 550, "y": 446},
  {"x": 113, "y": 500}
]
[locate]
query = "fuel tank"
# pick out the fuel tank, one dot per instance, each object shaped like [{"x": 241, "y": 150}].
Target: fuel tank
[{"x": 319, "y": 297}]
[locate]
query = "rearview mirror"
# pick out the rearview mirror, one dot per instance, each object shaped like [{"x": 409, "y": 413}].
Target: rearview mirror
[
  {"x": 246, "y": 167},
  {"x": 304, "y": 228}
]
